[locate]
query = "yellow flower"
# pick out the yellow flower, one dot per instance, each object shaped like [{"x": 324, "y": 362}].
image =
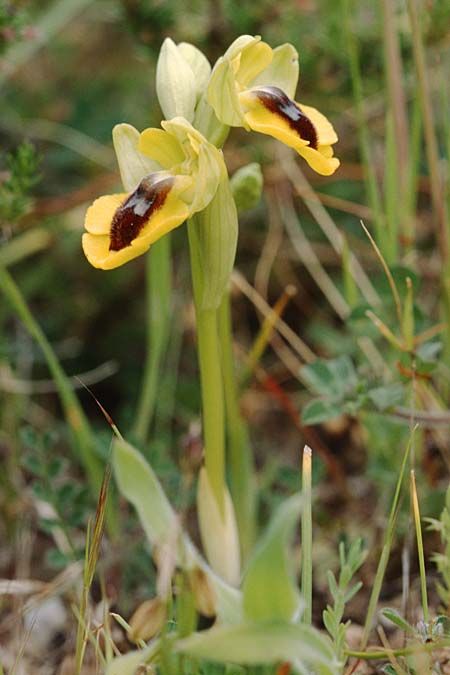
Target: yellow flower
[
  {"x": 122, "y": 226},
  {"x": 253, "y": 86}
]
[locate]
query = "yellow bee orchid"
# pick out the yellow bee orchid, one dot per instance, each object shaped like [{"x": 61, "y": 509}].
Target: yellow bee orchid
[
  {"x": 185, "y": 173},
  {"x": 253, "y": 86}
]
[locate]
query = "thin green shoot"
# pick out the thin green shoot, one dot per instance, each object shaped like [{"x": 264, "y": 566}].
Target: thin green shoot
[
  {"x": 431, "y": 147},
  {"x": 306, "y": 554},
  {"x": 405, "y": 651},
  {"x": 373, "y": 191},
  {"x": 384, "y": 557},
  {"x": 94, "y": 537},
  {"x": 387, "y": 271},
  {"x": 420, "y": 552},
  {"x": 391, "y": 192}
]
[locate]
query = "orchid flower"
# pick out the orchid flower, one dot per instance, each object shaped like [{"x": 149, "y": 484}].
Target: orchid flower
[
  {"x": 184, "y": 174},
  {"x": 253, "y": 86}
]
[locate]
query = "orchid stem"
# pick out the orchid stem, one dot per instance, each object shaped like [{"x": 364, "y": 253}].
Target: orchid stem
[
  {"x": 158, "y": 274},
  {"x": 240, "y": 458},
  {"x": 211, "y": 379}
]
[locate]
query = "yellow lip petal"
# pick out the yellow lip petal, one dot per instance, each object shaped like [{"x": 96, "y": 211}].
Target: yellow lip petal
[
  {"x": 96, "y": 250},
  {"x": 162, "y": 147},
  {"x": 97, "y": 246},
  {"x": 260, "y": 118},
  {"x": 100, "y": 214},
  {"x": 320, "y": 160},
  {"x": 270, "y": 111},
  {"x": 325, "y": 132}
]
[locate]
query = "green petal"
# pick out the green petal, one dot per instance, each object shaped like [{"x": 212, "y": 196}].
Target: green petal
[
  {"x": 182, "y": 131},
  {"x": 223, "y": 95},
  {"x": 283, "y": 72},
  {"x": 239, "y": 44},
  {"x": 211, "y": 169},
  {"x": 133, "y": 165},
  {"x": 161, "y": 147},
  {"x": 254, "y": 58}
]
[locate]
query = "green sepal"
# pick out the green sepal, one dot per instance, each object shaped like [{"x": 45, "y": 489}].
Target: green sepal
[
  {"x": 213, "y": 233},
  {"x": 133, "y": 165},
  {"x": 283, "y": 72},
  {"x": 199, "y": 64}
]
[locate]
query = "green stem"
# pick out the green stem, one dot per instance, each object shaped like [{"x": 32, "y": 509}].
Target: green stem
[
  {"x": 307, "y": 535},
  {"x": 431, "y": 146},
  {"x": 384, "y": 557},
  {"x": 373, "y": 192},
  {"x": 406, "y": 651},
  {"x": 84, "y": 440},
  {"x": 210, "y": 378},
  {"x": 158, "y": 275},
  {"x": 240, "y": 458}
]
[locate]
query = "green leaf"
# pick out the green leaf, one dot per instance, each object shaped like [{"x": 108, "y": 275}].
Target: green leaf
[
  {"x": 443, "y": 624},
  {"x": 269, "y": 590},
  {"x": 320, "y": 410},
  {"x": 344, "y": 374},
  {"x": 128, "y": 664},
  {"x": 429, "y": 351},
  {"x": 332, "y": 378},
  {"x": 393, "y": 616},
  {"x": 33, "y": 464},
  {"x": 386, "y": 397},
  {"x": 138, "y": 483},
  {"x": 263, "y": 643}
]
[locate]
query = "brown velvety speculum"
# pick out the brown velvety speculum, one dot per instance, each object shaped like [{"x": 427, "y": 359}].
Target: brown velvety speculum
[
  {"x": 275, "y": 100},
  {"x": 133, "y": 214}
]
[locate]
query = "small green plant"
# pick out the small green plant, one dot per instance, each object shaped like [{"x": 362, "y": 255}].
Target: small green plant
[
  {"x": 13, "y": 22},
  {"x": 342, "y": 591},
  {"x": 343, "y": 390},
  {"x": 22, "y": 175},
  {"x": 432, "y": 634},
  {"x": 442, "y": 560},
  {"x": 53, "y": 484}
]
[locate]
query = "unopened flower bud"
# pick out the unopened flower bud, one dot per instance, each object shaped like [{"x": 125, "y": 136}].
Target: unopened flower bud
[
  {"x": 182, "y": 74},
  {"x": 246, "y": 185},
  {"x": 205, "y": 598},
  {"x": 148, "y": 620}
]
